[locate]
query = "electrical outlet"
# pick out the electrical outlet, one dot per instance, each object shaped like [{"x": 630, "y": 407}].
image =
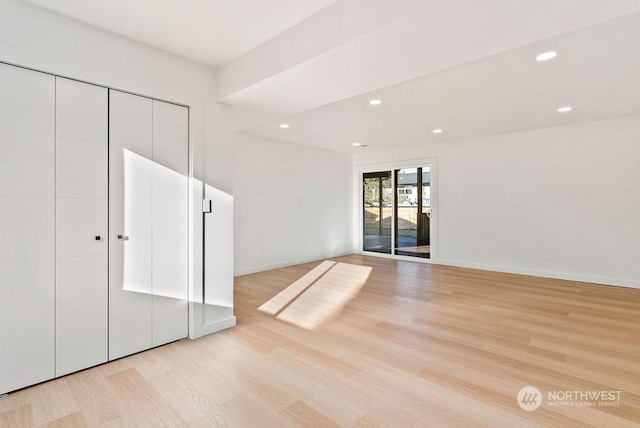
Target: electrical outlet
[
  {"x": 551, "y": 256},
  {"x": 264, "y": 252},
  {"x": 494, "y": 248}
]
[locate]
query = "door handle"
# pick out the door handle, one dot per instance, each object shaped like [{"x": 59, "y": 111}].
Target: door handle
[{"x": 123, "y": 237}]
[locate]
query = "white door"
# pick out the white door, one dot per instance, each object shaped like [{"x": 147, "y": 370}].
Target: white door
[
  {"x": 27, "y": 177},
  {"x": 81, "y": 225},
  {"x": 148, "y": 145},
  {"x": 130, "y": 228}
]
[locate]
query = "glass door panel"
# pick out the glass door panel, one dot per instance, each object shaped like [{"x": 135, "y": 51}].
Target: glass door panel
[
  {"x": 412, "y": 212},
  {"x": 377, "y": 211}
]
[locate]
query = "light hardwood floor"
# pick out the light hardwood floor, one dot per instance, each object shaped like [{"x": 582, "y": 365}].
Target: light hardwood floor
[{"x": 418, "y": 345}]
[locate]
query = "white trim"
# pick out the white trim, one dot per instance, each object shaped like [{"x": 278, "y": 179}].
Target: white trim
[
  {"x": 544, "y": 274},
  {"x": 396, "y": 257},
  {"x": 215, "y": 327},
  {"x": 262, "y": 268},
  {"x": 394, "y": 209},
  {"x": 390, "y": 166},
  {"x": 195, "y": 248}
]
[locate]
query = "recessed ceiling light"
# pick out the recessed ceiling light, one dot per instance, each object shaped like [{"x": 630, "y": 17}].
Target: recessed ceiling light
[
  {"x": 284, "y": 125},
  {"x": 437, "y": 131},
  {"x": 375, "y": 102},
  {"x": 546, "y": 56},
  {"x": 565, "y": 109}
]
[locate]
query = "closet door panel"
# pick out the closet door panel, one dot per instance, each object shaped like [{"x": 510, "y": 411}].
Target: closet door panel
[
  {"x": 27, "y": 101},
  {"x": 130, "y": 146},
  {"x": 175, "y": 161},
  {"x": 170, "y": 310},
  {"x": 130, "y": 215},
  {"x": 79, "y": 222},
  {"x": 27, "y": 228},
  {"x": 130, "y": 119},
  {"x": 26, "y": 165},
  {"x": 148, "y": 205},
  {"x": 26, "y": 293},
  {"x": 81, "y": 169},
  {"x": 130, "y": 173},
  {"x": 81, "y": 342},
  {"x": 27, "y": 355},
  {"x": 81, "y": 285},
  {"x": 81, "y": 111},
  {"x": 170, "y": 127},
  {"x": 170, "y": 320},
  {"x": 130, "y": 329},
  {"x": 170, "y": 273},
  {"x": 130, "y": 218},
  {"x": 81, "y": 225},
  {"x": 129, "y": 278},
  {"x": 169, "y": 177}
]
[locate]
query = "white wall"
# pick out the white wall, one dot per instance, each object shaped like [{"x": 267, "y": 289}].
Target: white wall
[
  {"x": 40, "y": 39},
  {"x": 293, "y": 203},
  {"x": 573, "y": 191}
]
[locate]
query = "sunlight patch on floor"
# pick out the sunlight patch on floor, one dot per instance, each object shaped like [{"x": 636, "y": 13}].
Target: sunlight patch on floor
[
  {"x": 286, "y": 296},
  {"x": 319, "y": 295}
]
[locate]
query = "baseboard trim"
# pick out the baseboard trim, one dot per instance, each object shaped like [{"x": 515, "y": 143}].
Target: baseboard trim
[
  {"x": 248, "y": 271},
  {"x": 617, "y": 282},
  {"x": 215, "y": 327}
]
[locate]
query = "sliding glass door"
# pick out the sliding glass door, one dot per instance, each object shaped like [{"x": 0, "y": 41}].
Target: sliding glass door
[
  {"x": 396, "y": 211},
  {"x": 412, "y": 212},
  {"x": 377, "y": 211}
]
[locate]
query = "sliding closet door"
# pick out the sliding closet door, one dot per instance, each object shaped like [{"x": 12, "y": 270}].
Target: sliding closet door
[
  {"x": 130, "y": 227},
  {"x": 27, "y": 155},
  {"x": 170, "y": 226},
  {"x": 148, "y": 145},
  {"x": 81, "y": 225}
]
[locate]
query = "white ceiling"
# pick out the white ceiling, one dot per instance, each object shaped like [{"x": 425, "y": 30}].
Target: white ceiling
[
  {"x": 213, "y": 32},
  {"x": 466, "y": 66},
  {"x": 597, "y": 72}
]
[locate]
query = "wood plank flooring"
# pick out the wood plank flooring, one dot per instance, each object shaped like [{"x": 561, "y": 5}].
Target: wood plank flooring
[{"x": 419, "y": 345}]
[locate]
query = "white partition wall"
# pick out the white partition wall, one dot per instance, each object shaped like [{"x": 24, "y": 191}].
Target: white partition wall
[
  {"x": 81, "y": 225},
  {"x": 27, "y": 229}
]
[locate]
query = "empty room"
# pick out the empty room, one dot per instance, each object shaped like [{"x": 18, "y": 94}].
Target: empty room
[{"x": 319, "y": 213}]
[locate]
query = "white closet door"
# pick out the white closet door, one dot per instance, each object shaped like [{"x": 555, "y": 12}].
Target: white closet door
[
  {"x": 81, "y": 225},
  {"x": 170, "y": 225},
  {"x": 27, "y": 154},
  {"x": 130, "y": 228}
]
